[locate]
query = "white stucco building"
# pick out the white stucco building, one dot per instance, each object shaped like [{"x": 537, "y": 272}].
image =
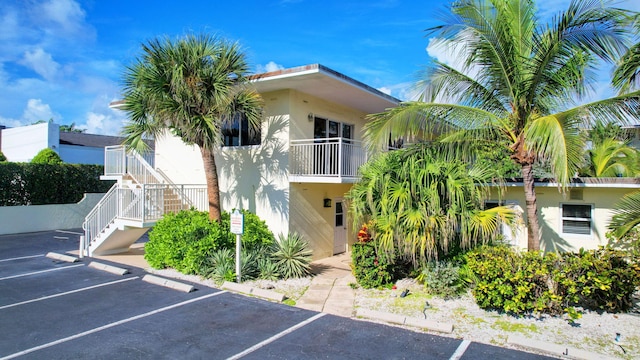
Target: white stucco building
[
  {"x": 21, "y": 144},
  {"x": 296, "y": 171}
]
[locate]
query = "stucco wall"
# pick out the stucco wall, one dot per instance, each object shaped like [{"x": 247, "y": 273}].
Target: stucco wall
[
  {"x": 550, "y": 200},
  {"x": 312, "y": 220},
  {"x": 21, "y": 144},
  {"x": 21, "y": 219}
]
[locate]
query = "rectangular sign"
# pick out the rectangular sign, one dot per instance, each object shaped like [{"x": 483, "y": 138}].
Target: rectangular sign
[{"x": 237, "y": 222}]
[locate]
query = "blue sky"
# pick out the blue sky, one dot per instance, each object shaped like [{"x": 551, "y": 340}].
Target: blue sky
[{"x": 63, "y": 59}]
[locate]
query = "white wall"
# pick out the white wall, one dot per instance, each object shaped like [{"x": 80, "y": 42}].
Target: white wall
[
  {"x": 21, "y": 144},
  {"x": 550, "y": 200},
  {"x": 73, "y": 154},
  {"x": 21, "y": 219}
]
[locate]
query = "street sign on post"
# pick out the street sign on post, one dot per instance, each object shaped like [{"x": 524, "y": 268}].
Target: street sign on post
[{"x": 237, "y": 227}]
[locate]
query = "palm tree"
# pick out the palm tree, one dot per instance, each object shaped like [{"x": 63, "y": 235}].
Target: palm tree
[
  {"x": 192, "y": 86},
  {"x": 519, "y": 82},
  {"x": 612, "y": 158},
  {"x": 422, "y": 203},
  {"x": 627, "y": 73}
]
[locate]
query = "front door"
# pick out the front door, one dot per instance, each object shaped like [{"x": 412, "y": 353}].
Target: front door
[{"x": 340, "y": 228}]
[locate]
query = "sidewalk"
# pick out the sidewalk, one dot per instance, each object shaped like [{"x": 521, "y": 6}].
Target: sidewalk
[{"x": 330, "y": 291}]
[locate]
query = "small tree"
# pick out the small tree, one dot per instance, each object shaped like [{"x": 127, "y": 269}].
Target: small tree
[{"x": 47, "y": 156}]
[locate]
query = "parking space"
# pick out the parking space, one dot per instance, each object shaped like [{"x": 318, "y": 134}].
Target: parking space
[{"x": 56, "y": 310}]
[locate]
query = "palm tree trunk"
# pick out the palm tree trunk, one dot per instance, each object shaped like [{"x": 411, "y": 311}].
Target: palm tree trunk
[
  {"x": 533, "y": 226},
  {"x": 213, "y": 188}
]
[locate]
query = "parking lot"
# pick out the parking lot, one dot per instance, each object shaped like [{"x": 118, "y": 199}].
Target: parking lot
[{"x": 60, "y": 310}]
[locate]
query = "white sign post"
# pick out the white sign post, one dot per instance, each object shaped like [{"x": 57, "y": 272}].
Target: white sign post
[{"x": 237, "y": 227}]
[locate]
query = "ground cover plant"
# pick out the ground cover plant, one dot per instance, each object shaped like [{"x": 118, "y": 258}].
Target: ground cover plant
[{"x": 192, "y": 243}]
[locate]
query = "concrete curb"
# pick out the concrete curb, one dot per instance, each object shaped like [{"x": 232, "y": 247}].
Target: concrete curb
[
  {"x": 108, "y": 268},
  {"x": 257, "y": 292},
  {"x": 172, "y": 284},
  {"x": 62, "y": 257},
  {"x": 565, "y": 352},
  {"x": 403, "y": 320}
]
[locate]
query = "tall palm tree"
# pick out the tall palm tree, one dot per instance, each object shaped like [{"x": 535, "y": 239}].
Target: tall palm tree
[
  {"x": 519, "y": 82},
  {"x": 192, "y": 86}
]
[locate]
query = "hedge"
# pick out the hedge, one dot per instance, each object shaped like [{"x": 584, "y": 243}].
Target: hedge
[{"x": 38, "y": 184}]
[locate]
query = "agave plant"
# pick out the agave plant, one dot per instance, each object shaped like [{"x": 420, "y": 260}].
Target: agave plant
[
  {"x": 220, "y": 266},
  {"x": 292, "y": 256}
]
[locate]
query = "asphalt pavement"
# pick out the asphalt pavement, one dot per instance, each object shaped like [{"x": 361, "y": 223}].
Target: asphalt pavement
[{"x": 62, "y": 310}]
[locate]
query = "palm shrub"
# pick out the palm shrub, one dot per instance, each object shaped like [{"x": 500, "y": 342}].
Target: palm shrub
[
  {"x": 292, "y": 256},
  {"x": 422, "y": 204}
]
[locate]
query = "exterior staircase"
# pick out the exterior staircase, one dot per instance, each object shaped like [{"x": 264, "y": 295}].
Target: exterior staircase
[{"x": 140, "y": 197}]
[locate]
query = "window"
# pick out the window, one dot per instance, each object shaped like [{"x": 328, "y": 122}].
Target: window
[
  {"x": 576, "y": 219},
  {"x": 239, "y": 132}
]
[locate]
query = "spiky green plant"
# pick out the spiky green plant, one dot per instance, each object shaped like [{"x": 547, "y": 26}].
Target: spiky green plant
[{"x": 292, "y": 256}]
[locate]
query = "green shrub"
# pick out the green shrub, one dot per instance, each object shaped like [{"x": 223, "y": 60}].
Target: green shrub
[
  {"x": 370, "y": 270},
  {"x": 2, "y": 157},
  {"x": 37, "y": 184},
  {"x": 184, "y": 240},
  {"x": 256, "y": 232},
  {"x": 442, "y": 279},
  {"x": 552, "y": 283},
  {"x": 47, "y": 156},
  {"x": 292, "y": 256}
]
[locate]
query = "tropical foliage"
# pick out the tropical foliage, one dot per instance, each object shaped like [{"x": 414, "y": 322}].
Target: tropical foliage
[
  {"x": 525, "y": 282},
  {"x": 292, "y": 256},
  {"x": 2, "y": 157},
  {"x": 191, "y": 86},
  {"x": 422, "y": 205},
  {"x": 517, "y": 82}
]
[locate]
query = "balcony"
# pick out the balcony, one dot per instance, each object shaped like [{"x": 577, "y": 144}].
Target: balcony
[{"x": 330, "y": 160}]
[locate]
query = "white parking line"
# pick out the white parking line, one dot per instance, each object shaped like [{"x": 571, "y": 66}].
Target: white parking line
[
  {"x": 67, "y": 293},
  {"x": 276, "y": 337},
  {"x": 39, "y": 272},
  {"x": 22, "y": 257},
  {"x": 460, "y": 350},
  {"x": 69, "y": 232},
  {"x": 104, "y": 327}
]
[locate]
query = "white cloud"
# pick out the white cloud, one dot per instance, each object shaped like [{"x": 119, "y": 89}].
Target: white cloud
[
  {"x": 65, "y": 16},
  {"x": 271, "y": 66},
  {"x": 41, "y": 62},
  {"x": 37, "y": 110},
  {"x": 104, "y": 124}
]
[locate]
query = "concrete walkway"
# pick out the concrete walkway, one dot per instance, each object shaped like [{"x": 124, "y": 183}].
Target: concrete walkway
[{"x": 330, "y": 291}]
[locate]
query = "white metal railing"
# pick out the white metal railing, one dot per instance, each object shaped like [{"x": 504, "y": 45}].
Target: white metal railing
[
  {"x": 103, "y": 214},
  {"x": 145, "y": 204},
  {"x": 330, "y": 157},
  {"x": 118, "y": 161}
]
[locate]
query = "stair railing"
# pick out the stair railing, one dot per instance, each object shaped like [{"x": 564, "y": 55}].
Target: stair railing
[{"x": 103, "y": 214}]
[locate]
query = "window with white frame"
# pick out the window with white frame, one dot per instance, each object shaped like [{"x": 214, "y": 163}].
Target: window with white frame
[
  {"x": 576, "y": 219},
  {"x": 239, "y": 132}
]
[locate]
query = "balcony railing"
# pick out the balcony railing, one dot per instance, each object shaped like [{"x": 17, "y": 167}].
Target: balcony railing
[{"x": 335, "y": 158}]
